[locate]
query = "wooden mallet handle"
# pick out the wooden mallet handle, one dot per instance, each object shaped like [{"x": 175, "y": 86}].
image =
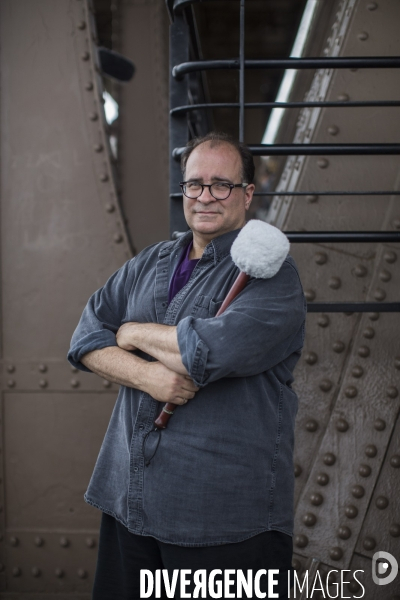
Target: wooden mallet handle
[{"x": 239, "y": 284}]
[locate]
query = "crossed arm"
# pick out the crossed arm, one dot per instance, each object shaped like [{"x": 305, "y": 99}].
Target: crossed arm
[{"x": 166, "y": 380}]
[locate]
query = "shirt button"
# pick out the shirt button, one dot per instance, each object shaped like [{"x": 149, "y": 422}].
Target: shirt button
[
  {"x": 164, "y": 304},
  {"x": 141, "y": 426},
  {"x": 136, "y": 469}
]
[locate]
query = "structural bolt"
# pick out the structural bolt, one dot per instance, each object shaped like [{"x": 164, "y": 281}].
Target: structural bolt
[
  {"x": 104, "y": 177},
  {"x": 43, "y": 383},
  {"x": 296, "y": 564},
  {"x": 371, "y": 451},
  {"x": 309, "y": 519},
  {"x": 16, "y": 572},
  {"x": 390, "y": 256},
  {"x": 312, "y": 425},
  {"x": 311, "y": 358},
  {"x": 81, "y": 25},
  {"x": 394, "y": 530},
  {"x": 395, "y": 461},
  {"x": 385, "y": 275},
  {"x": 322, "y": 479},
  {"x": 11, "y": 383},
  {"x": 106, "y": 383},
  {"x": 362, "y": 36},
  {"x": 379, "y": 295},
  {"x": 85, "y": 56},
  {"x": 351, "y": 511},
  {"x": 10, "y": 368},
  {"x": 74, "y": 370},
  {"x": 343, "y": 97},
  {"x": 14, "y": 541},
  {"x": 360, "y": 271},
  {"x": 364, "y": 470},
  {"x": 297, "y": 470},
  {"x": 90, "y": 542},
  {"x": 329, "y": 459},
  {"x": 372, "y": 5},
  {"x": 59, "y": 572},
  {"x": 363, "y": 351},
  {"x": 321, "y": 258},
  {"x": 110, "y": 207},
  {"x": 311, "y": 198},
  {"x": 334, "y": 283},
  {"x": 74, "y": 383},
  {"x": 344, "y": 532},
  {"x": 357, "y": 371},
  {"x": 351, "y": 391},
  {"x": 301, "y": 541},
  {"x": 118, "y": 238},
  {"x": 325, "y": 385},
  {"x": 381, "y": 502},
  {"x": 89, "y": 86},
  {"x": 342, "y": 425},
  {"x": 336, "y": 553},
  {"x": 98, "y": 147},
  {"x": 357, "y": 491},
  {"x": 310, "y": 295},
  {"x": 369, "y": 333},
  {"x": 333, "y": 130},
  {"x": 323, "y": 321},
  {"x": 36, "y": 572},
  {"x": 323, "y": 163},
  {"x": 64, "y": 542},
  {"x": 392, "y": 391},
  {"x": 379, "y": 424},
  {"x": 39, "y": 541},
  {"x": 82, "y": 573},
  {"x": 397, "y": 362},
  {"x": 369, "y": 543},
  {"x": 93, "y": 116},
  {"x": 316, "y": 499}
]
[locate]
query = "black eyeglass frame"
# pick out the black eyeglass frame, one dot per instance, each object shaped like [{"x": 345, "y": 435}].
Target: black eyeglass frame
[{"x": 182, "y": 184}]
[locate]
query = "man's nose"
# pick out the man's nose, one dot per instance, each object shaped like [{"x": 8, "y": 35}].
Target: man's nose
[{"x": 206, "y": 196}]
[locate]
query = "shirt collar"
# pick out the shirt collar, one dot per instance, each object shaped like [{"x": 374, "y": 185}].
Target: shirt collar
[{"x": 217, "y": 249}]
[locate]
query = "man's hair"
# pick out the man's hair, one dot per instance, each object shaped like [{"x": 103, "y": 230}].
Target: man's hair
[{"x": 217, "y": 138}]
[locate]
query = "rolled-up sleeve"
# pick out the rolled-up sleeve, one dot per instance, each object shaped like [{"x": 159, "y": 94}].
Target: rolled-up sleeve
[
  {"x": 101, "y": 317},
  {"x": 261, "y": 327}
]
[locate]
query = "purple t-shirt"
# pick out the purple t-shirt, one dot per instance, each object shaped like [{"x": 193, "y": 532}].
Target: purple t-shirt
[{"x": 182, "y": 272}]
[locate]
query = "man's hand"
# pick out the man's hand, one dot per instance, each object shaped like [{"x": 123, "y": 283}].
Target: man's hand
[{"x": 167, "y": 386}]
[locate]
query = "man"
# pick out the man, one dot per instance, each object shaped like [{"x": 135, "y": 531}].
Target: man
[{"x": 214, "y": 490}]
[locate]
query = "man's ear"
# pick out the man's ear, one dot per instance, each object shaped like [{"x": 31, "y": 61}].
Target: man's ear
[{"x": 249, "y": 195}]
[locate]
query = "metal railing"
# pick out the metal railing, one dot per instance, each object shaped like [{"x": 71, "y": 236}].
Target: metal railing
[{"x": 182, "y": 68}]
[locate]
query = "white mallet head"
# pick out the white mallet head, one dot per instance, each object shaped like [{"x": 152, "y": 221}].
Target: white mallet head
[{"x": 260, "y": 249}]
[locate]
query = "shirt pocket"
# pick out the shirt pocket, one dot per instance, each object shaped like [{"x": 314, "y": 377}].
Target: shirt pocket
[{"x": 205, "y": 306}]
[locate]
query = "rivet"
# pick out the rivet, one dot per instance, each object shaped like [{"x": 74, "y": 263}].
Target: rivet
[
  {"x": 369, "y": 543},
  {"x": 392, "y": 391},
  {"x": 316, "y": 499},
  {"x": 90, "y": 542},
  {"x": 381, "y": 502},
  {"x": 309, "y": 519},
  {"x": 390, "y": 256},
  {"x": 323, "y": 163},
  {"x": 74, "y": 370},
  {"x": 89, "y": 86},
  {"x": 397, "y": 362},
  {"x": 364, "y": 470},
  {"x": 36, "y": 572},
  {"x": 336, "y": 553},
  {"x": 325, "y": 385},
  {"x": 81, "y": 25},
  {"x": 311, "y": 425},
  {"x": 323, "y": 320},
  {"x": 322, "y": 479},
  {"x": 74, "y": 383},
  {"x": 14, "y": 541},
  {"x": 98, "y": 147},
  {"x": 42, "y": 368},
  {"x": 10, "y": 368},
  {"x": 395, "y": 461},
  {"x": 296, "y": 564},
  {"x": 321, "y": 258},
  {"x": 333, "y": 130},
  {"x": 10, "y": 383},
  {"x": 311, "y": 198},
  {"x": 372, "y": 6},
  {"x": 354, "y": 586},
  {"x": 64, "y": 542},
  {"x": 43, "y": 383},
  {"x": 369, "y": 333},
  {"x": 343, "y": 97},
  {"x": 360, "y": 271},
  {"x": 363, "y": 351},
  {"x": 93, "y": 116},
  {"x": 374, "y": 316},
  {"x": 362, "y": 36},
  {"x": 344, "y": 532},
  {"x": 385, "y": 275},
  {"x": 351, "y": 391},
  {"x": 329, "y": 459},
  {"x": 357, "y": 491},
  {"x": 110, "y": 207},
  {"x": 351, "y": 511},
  {"x": 379, "y": 424},
  {"x": 310, "y": 295},
  {"x": 301, "y": 541},
  {"x": 297, "y": 470},
  {"x": 342, "y": 425},
  {"x": 371, "y": 450},
  {"x": 334, "y": 283},
  {"x": 357, "y": 371},
  {"x": 16, "y": 572},
  {"x": 82, "y": 573},
  {"x": 104, "y": 177},
  {"x": 394, "y": 530},
  {"x": 118, "y": 238},
  {"x": 59, "y": 572},
  {"x": 379, "y": 295},
  {"x": 85, "y": 56},
  {"x": 106, "y": 383},
  {"x": 2, "y": 567},
  {"x": 39, "y": 541},
  {"x": 311, "y": 358}
]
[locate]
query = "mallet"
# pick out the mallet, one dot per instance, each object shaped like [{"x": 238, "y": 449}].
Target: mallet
[{"x": 258, "y": 251}]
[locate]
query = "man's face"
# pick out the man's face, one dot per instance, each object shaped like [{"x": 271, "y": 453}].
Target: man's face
[{"x": 206, "y": 216}]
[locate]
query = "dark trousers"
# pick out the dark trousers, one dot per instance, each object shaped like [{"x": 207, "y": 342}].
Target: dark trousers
[{"x": 123, "y": 554}]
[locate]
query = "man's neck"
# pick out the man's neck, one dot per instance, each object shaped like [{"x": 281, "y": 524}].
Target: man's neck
[{"x": 200, "y": 243}]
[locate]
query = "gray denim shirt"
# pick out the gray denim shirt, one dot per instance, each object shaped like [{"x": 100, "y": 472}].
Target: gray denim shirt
[{"x": 223, "y": 468}]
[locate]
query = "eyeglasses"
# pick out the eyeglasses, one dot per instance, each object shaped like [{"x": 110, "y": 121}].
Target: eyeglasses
[{"x": 220, "y": 190}]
